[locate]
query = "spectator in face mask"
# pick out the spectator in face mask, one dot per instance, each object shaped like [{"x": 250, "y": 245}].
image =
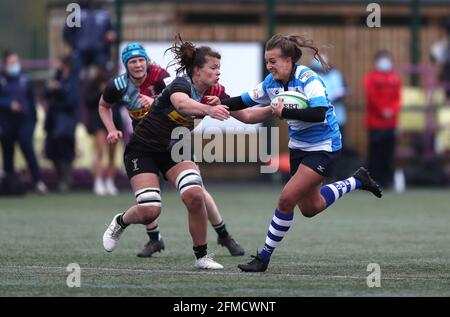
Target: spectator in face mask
[
  {"x": 382, "y": 87},
  {"x": 18, "y": 117}
]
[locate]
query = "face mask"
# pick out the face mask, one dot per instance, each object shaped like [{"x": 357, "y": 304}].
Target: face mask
[
  {"x": 13, "y": 70},
  {"x": 384, "y": 64}
]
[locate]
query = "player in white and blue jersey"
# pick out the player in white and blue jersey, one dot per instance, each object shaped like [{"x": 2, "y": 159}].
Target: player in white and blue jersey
[{"x": 315, "y": 141}]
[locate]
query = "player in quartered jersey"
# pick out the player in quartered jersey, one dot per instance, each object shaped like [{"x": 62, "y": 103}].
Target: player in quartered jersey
[
  {"x": 314, "y": 144},
  {"x": 135, "y": 89},
  {"x": 137, "y": 95}
]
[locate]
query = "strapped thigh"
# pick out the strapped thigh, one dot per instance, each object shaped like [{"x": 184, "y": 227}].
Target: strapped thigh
[
  {"x": 148, "y": 197},
  {"x": 187, "y": 179}
]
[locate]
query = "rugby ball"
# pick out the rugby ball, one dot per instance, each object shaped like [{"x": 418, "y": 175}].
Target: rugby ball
[{"x": 291, "y": 100}]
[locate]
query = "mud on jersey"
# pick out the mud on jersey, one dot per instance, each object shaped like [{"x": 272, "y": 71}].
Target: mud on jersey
[
  {"x": 154, "y": 131},
  {"x": 121, "y": 90}
]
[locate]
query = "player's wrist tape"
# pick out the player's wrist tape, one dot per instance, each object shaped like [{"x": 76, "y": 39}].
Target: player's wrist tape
[
  {"x": 316, "y": 114},
  {"x": 234, "y": 103}
]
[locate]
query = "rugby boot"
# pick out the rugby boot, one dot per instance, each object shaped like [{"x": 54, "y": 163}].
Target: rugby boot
[
  {"x": 231, "y": 244},
  {"x": 151, "y": 247},
  {"x": 367, "y": 182},
  {"x": 255, "y": 265}
]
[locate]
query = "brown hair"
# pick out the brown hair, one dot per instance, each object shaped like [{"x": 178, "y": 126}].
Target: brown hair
[
  {"x": 382, "y": 53},
  {"x": 6, "y": 54},
  {"x": 290, "y": 46},
  {"x": 188, "y": 56}
]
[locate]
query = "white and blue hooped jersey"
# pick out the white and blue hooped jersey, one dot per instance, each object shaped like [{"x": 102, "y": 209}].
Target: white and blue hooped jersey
[{"x": 306, "y": 136}]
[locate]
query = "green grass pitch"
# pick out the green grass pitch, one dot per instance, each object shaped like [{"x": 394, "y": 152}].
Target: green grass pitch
[{"x": 408, "y": 235}]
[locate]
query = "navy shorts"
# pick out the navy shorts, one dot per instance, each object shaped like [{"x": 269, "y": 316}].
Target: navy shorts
[
  {"x": 137, "y": 162},
  {"x": 321, "y": 162}
]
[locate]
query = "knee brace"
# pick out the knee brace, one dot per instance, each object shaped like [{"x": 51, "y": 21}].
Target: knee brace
[
  {"x": 148, "y": 197},
  {"x": 188, "y": 179}
]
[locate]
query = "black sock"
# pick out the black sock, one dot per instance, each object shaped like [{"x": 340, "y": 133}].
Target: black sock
[
  {"x": 119, "y": 220},
  {"x": 221, "y": 229},
  {"x": 200, "y": 251},
  {"x": 153, "y": 233}
]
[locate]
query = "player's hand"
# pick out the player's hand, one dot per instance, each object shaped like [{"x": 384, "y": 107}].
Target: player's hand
[
  {"x": 15, "y": 106},
  {"x": 212, "y": 100},
  {"x": 219, "y": 112},
  {"x": 146, "y": 101},
  {"x": 114, "y": 136},
  {"x": 277, "y": 108}
]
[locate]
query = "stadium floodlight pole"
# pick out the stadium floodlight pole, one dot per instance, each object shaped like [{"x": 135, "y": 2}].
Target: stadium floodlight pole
[
  {"x": 119, "y": 13},
  {"x": 415, "y": 38},
  {"x": 34, "y": 43},
  {"x": 118, "y": 5},
  {"x": 270, "y": 11}
]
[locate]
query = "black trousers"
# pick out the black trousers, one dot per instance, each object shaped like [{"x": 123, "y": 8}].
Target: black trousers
[
  {"x": 381, "y": 158},
  {"x": 19, "y": 132}
]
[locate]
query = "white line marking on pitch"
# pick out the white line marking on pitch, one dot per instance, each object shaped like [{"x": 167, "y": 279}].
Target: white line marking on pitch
[{"x": 204, "y": 272}]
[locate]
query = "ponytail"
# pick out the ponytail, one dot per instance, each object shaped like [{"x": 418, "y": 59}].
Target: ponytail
[
  {"x": 188, "y": 56},
  {"x": 291, "y": 45}
]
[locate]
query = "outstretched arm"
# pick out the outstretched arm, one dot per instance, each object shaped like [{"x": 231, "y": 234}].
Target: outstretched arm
[
  {"x": 253, "y": 115},
  {"x": 182, "y": 102},
  {"x": 234, "y": 103}
]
